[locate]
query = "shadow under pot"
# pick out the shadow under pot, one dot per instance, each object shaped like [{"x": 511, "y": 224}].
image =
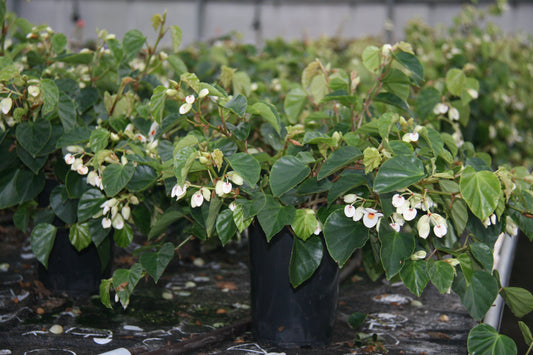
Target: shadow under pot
[
  {"x": 282, "y": 315},
  {"x": 76, "y": 273}
]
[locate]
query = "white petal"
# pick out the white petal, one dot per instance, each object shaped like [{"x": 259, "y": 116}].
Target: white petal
[
  {"x": 395, "y": 226},
  {"x": 440, "y": 230},
  {"x": 197, "y": 199},
  {"x": 190, "y": 99},
  {"x": 398, "y": 200},
  {"x": 349, "y": 211},
  {"x": 359, "y": 213},
  {"x": 409, "y": 214},
  {"x": 370, "y": 219}
]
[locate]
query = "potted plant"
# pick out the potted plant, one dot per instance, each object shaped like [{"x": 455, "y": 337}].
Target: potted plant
[
  {"x": 353, "y": 169},
  {"x": 76, "y": 147}
]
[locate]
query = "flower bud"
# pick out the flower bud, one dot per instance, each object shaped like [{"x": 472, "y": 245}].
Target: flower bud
[
  {"x": 69, "y": 159},
  {"x": 190, "y": 99},
  {"x": 134, "y": 200},
  {"x": 34, "y": 90},
  {"x": 186, "y": 107},
  {"x": 203, "y": 93},
  {"x": 82, "y": 170},
  {"x": 236, "y": 178},
  {"x": 118, "y": 222},
  {"x": 126, "y": 212},
  {"x": 6, "y": 105},
  {"x": 350, "y": 198},
  {"x": 419, "y": 255},
  {"x": 106, "y": 222},
  {"x": 171, "y": 92}
]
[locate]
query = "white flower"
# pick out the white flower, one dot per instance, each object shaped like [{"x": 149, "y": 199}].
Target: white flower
[
  {"x": 91, "y": 178},
  {"x": 153, "y": 130},
  {"x": 203, "y": 93},
  {"x": 222, "y": 188},
  {"x": 410, "y": 137},
  {"x": 359, "y": 213},
  {"x": 473, "y": 93},
  {"x": 423, "y": 226},
  {"x": 171, "y": 92},
  {"x": 350, "y": 198},
  {"x": 82, "y": 170},
  {"x": 106, "y": 222},
  {"x": 453, "y": 114},
  {"x": 186, "y": 107},
  {"x": 108, "y": 205},
  {"x": 398, "y": 219},
  {"x": 126, "y": 212},
  {"x": 409, "y": 214},
  {"x": 349, "y": 211},
  {"x": 419, "y": 255},
  {"x": 440, "y": 108},
  {"x": 178, "y": 191},
  {"x": 395, "y": 226},
  {"x": 232, "y": 206},
  {"x": 98, "y": 182},
  {"x": 440, "y": 230},
  {"x": 69, "y": 159},
  {"x": 206, "y": 193},
  {"x": 190, "y": 99},
  {"x": 493, "y": 218},
  {"x": 197, "y": 199},
  {"x": 34, "y": 90},
  {"x": 398, "y": 200},
  {"x": 235, "y": 177},
  {"x": 118, "y": 222},
  {"x": 6, "y": 105},
  {"x": 318, "y": 229},
  {"x": 141, "y": 137},
  {"x": 371, "y": 217},
  {"x": 76, "y": 164}
]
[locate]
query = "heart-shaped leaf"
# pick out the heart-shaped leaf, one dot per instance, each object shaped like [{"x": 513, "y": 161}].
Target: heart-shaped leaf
[
  {"x": 339, "y": 159},
  {"x": 273, "y": 217},
  {"x": 246, "y": 166},
  {"x": 79, "y": 236},
  {"x": 286, "y": 173},
  {"x": 124, "y": 281},
  {"x": 225, "y": 226},
  {"x": 42, "y": 241},
  {"x": 115, "y": 177},
  {"x": 156, "y": 262},
  {"x": 483, "y": 339},
  {"x": 343, "y": 236},
  {"x": 305, "y": 259},
  {"x": 481, "y": 191},
  {"x": 395, "y": 248},
  {"x": 398, "y": 173},
  {"x": 33, "y": 136},
  {"x": 415, "y": 276}
]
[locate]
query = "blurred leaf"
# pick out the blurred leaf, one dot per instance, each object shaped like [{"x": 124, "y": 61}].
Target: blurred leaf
[
  {"x": 42, "y": 241},
  {"x": 175, "y": 32},
  {"x": 132, "y": 44},
  {"x": 518, "y": 299},
  {"x": 305, "y": 259},
  {"x": 156, "y": 262}
]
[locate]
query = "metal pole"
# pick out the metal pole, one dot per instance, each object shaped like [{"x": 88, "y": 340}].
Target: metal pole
[
  {"x": 256, "y": 24},
  {"x": 200, "y": 19},
  {"x": 389, "y": 24}
]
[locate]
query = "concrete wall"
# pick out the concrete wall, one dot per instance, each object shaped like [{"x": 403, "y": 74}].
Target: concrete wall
[{"x": 291, "y": 20}]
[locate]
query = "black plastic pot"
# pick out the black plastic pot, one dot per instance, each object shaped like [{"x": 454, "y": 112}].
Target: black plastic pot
[
  {"x": 70, "y": 271},
  {"x": 284, "y": 316}
]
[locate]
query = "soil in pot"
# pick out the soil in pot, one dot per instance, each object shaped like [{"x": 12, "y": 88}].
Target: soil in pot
[{"x": 284, "y": 316}]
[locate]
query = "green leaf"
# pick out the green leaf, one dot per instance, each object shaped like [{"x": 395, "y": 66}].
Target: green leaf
[
  {"x": 98, "y": 139},
  {"x": 66, "y": 109},
  {"x": 415, "y": 276},
  {"x": 483, "y": 339},
  {"x": 338, "y": 160},
  {"x": 115, "y": 177},
  {"x": 411, "y": 62},
  {"x": 273, "y": 217},
  {"x": 479, "y": 295},
  {"x": 58, "y": 42},
  {"x": 343, "y": 236},
  {"x": 124, "y": 281},
  {"x": 526, "y": 333},
  {"x": 304, "y": 224},
  {"x": 294, "y": 104},
  {"x": 455, "y": 81},
  {"x": 426, "y": 101},
  {"x": 441, "y": 274},
  {"x": 356, "y": 320},
  {"x": 483, "y": 253},
  {"x": 157, "y": 103},
  {"x": 183, "y": 159},
  {"x": 42, "y": 241},
  {"x": 348, "y": 180},
  {"x": 286, "y": 173},
  {"x": 240, "y": 220},
  {"x": 237, "y": 105},
  {"x": 269, "y": 113},
  {"x": 89, "y": 204},
  {"x": 50, "y": 94},
  {"x": 143, "y": 178},
  {"x": 481, "y": 191},
  {"x": 33, "y": 136},
  {"x": 79, "y": 236},
  {"x": 398, "y": 172},
  {"x": 124, "y": 236},
  {"x": 372, "y": 58},
  {"x": 77, "y": 135},
  {"x": 75, "y": 58},
  {"x": 132, "y": 44},
  {"x": 518, "y": 299},
  {"x": 393, "y": 100},
  {"x": 214, "y": 207},
  {"x": 164, "y": 222},
  {"x": 246, "y": 166},
  {"x": 395, "y": 248},
  {"x": 28, "y": 185},
  {"x": 105, "y": 287},
  {"x": 34, "y": 163},
  {"x": 156, "y": 262},
  {"x": 62, "y": 206},
  {"x": 175, "y": 33},
  {"x": 225, "y": 226},
  {"x": 305, "y": 259}
]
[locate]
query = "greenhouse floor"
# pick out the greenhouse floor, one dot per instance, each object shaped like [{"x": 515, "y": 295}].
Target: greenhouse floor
[{"x": 201, "y": 306}]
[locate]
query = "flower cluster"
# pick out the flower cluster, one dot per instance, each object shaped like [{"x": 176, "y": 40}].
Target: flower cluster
[
  {"x": 116, "y": 211},
  {"x": 407, "y": 210},
  {"x": 370, "y": 216},
  {"x": 189, "y": 100}
]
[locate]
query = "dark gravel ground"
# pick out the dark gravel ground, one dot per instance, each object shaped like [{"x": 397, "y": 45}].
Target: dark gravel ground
[{"x": 202, "y": 307}]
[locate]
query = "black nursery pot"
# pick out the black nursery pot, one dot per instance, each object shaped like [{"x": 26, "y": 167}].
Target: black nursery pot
[
  {"x": 70, "y": 271},
  {"x": 284, "y": 316}
]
